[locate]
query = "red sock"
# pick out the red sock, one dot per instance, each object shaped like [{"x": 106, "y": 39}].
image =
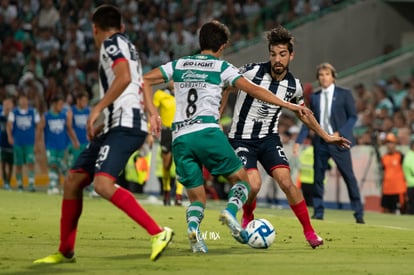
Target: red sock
[
  {"x": 301, "y": 212},
  {"x": 71, "y": 211},
  {"x": 125, "y": 201},
  {"x": 249, "y": 208}
]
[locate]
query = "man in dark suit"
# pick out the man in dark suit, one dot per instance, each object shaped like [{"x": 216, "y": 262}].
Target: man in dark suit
[{"x": 334, "y": 108}]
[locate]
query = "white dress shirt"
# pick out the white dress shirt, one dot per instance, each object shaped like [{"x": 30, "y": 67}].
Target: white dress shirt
[{"x": 329, "y": 91}]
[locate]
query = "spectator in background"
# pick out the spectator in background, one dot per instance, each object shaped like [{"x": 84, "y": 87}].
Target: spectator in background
[
  {"x": 27, "y": 12},
  {"x": 20, "y": 35},
  {"x": 408, "y": 168},
  {"x": 11, "y": 62},
  {"x": 79, "y": 117},
  {"x": 34, "y": 65},
  {"x": 52, "y": 88},
  {"x": 394, "y": 186},
  {"x": 5, "y": 146},
  {"x": 9, "y": 10},
  {"x": 363, "y": 125},
  {"x": 410, "y": 118},
  {"x": 382, "y": 101},
  {"x": 408, "y": 103},
  {"x": 47, "y": 44},
  {"x": 34, "y": 90},
  {"x": 22, "y": 131},
  {"x": 362, "y": 94},
  {"x": 397, "y": 92},
  {"x": 57, "y": 126},
  {"x": 251, "y": 10},
  {"x": 404, "y": 136},
  {"x": 157, "y": 55},
  {"x": 48, "y": 16},
  {"x": 363, "y": 129},
  {"x": 76, "y": 36},
  {"x": 75, "y": 78},
  {"x": 385, "y": 125},
  {"x": 182, "y": 41}
]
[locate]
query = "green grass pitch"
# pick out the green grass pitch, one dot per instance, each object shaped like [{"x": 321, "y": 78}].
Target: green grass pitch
[{"x": 108, "y": 242}]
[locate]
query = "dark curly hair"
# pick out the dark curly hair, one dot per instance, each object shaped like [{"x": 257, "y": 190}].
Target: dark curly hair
[{"x": 280, "y": 35}]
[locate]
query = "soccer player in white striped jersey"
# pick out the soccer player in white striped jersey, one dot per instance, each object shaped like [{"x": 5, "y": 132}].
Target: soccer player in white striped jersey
[
  {"x": 198, "y": 141},
  {"x": 254, "y": 130},
  {"x": 124, "y": 132}
]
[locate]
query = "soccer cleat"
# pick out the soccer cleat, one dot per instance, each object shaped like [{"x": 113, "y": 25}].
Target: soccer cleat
[
  {"x": 236, "y": 230},
  {"x": 160, "y": 242},
  {"x": 93, "y": 194},
  {"x": 57, "y": 258},
  {"x": 246, "y": 219},
  {"x": 53, "y": 191},
  {"x": 313, "y": 239},
  {"x": 197, "y": 243}
]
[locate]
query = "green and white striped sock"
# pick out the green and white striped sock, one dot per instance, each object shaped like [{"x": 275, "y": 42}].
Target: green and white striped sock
[
  {"x": 237, "y": 197},
  {"x": 195, "y": 214}
]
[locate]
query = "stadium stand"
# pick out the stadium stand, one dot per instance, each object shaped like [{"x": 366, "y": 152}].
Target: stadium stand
[{"x": 47, "y": 48}]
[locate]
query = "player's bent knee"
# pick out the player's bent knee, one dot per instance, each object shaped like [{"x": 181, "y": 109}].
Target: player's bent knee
[{"x": 75, "y": 181}]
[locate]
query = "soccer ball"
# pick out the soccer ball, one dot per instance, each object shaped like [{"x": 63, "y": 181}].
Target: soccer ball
[{"x": 261, "y": 233}]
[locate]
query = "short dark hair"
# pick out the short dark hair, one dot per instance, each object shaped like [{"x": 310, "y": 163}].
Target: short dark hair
[
  {"x": 280, "y": 35},
  {"x": 81, "y": 94},
  {"x": 58, "y": 97},
  {"x": 213, "y": 35},
  {"x": 107, "y": 17}
]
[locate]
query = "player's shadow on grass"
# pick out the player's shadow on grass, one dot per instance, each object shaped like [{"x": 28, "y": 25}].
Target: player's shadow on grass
[
  {"x": 186, "y": 252},
  {"x": 48, "y": 269}
]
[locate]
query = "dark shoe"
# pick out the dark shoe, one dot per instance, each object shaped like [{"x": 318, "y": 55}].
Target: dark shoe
[
  {"x": 360, "y": 220},
  {"x": 178, "y": 200},
  {"x": 317, "y": 217},
  {"x": 167, "y": 199}
]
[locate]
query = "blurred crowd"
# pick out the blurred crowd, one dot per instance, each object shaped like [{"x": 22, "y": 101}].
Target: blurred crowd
[
  {"x": 386, "y": 107},
  {"x": 47, "y": 49},
  {"x": 47, "y": 46}
]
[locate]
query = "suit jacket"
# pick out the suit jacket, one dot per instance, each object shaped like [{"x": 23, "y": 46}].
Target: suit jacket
[{"x": 343, "y": 115}]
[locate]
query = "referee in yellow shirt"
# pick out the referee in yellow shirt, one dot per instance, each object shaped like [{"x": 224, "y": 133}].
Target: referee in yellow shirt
[{"x": 164, "y": 100}]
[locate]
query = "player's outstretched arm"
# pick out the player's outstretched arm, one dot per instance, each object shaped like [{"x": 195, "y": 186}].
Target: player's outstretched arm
[
  {"x": 151, "y": 78},
  {"x": 261, "y": 93},
  {"x": 313, "y": 124}
]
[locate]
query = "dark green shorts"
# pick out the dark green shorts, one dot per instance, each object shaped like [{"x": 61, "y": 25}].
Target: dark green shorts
[
  {"x": 209, "y": 148},
  {"x": 23, "y": 154},
  {"x": 73, "y": 153},
  {"x": 55, "y": 158}
]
